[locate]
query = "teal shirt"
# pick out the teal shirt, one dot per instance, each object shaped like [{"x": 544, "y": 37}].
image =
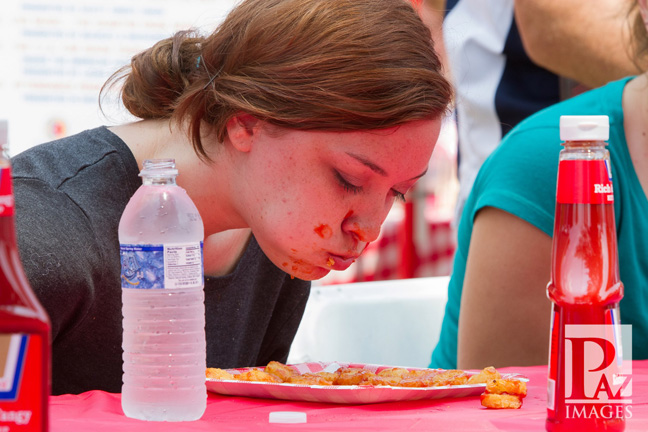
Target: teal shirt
[{"x": 520, "y": 178}]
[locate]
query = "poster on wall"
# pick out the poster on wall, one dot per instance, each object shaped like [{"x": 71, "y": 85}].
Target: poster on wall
[{"x": 57, "y": 54}]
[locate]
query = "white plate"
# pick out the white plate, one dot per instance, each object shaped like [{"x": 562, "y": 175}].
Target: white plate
[{"x": 339, "y": 394}]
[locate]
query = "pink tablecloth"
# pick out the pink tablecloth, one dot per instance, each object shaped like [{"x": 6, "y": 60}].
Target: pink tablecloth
[{"x": 99, "y": 411}]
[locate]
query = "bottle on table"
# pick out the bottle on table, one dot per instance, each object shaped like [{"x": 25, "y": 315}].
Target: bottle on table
[
  {"x": 24, "y": 326},
  {"x": 161, "y": 238},
  {"x": 585, "y": 288}
]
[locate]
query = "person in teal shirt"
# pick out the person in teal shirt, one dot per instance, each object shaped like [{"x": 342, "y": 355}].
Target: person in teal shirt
[{"x": 498, "y": 311}]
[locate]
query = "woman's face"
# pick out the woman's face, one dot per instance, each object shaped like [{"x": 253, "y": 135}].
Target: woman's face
[{"x": 314, "y": 200}]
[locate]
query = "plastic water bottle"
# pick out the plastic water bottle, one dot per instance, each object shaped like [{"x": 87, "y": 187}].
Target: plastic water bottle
[{"x": 161, "y": 237}]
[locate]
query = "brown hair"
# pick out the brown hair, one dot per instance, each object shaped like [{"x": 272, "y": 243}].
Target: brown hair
[
  {"x": 639, "y": 36},
  {"x": 336, "y": 65}
]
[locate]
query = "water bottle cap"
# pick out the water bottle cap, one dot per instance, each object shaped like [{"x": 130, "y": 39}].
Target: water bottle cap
[
  {"x": 584, "y": 128},
  {"x": 287, "y": 417},
  {"x": 159, "y": 168}
]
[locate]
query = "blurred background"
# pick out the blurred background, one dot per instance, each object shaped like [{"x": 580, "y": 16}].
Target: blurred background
[{"x": 56, "y": 54}]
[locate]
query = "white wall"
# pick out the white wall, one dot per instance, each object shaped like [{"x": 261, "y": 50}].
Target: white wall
[{"x": 56, "y": 54}]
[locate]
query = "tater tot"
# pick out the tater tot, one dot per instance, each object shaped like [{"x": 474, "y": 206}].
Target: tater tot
[
  {"x": 257, "y": 375},
  {"x": 216, "y": 373},
  {"x": 280, "y": 370},
  {"x": 487, "y": 374},
  {"x": 450, "y": 377},
  {"x": 501, "y": 401},
  {"x": 508, "y": 386},
  {"x": 393, "y": 372},
  {"x": 353, "y": 376},
  {"x": 312, "y": 379}
]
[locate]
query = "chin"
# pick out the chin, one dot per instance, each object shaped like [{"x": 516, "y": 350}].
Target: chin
[
  {"x": 311, "y": 274},
  {"x": 294, "y": 265}
]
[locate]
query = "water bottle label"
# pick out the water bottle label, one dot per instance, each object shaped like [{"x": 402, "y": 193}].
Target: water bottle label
[
  {"x": 6, "y": 193},
  {"x": 168, "y": 266},
  {"x": 22, "y": 393},
  {"x": 584, "y": 182}
]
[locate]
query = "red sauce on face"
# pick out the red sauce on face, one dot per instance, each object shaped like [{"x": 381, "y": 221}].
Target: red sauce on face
[
  {"x": 324, "y": 231},
  {"x": 362, "y": 235},
  {"x": 348, "y": 215}
]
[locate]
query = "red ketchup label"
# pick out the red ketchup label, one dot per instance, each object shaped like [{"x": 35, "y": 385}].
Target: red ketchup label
[
  {"x": 584, "y": 182},
  {"x": 6, "y": 193},
  {"x": 21, "y": 377}
]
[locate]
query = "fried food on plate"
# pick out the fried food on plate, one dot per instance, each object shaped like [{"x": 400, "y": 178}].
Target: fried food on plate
[
  {"x": 257, "y": 375},
  {"x": 450, "y": 377},
  {"x": 487, "y": 374},
  {"x": 217, "y": 373},
  {"x": 313, "y": 379},
  {"x": 276, "y": 372},
  {"x": 388, "y": 381},
  {"x": 284, "y": 372},
  {"x": 353, "y": 376},
  {"x": 500, "y": 393},
  {"x": 393, "y": 372}
]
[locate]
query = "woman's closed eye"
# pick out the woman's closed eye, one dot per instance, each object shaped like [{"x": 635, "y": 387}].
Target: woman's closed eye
[
  {"x": 350, "y": 187},
  {"x": 346, "y": 184},
  {"x": 400, "y": 196}
]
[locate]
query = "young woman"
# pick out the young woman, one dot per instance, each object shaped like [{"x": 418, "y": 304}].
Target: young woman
[{"x": 295, "y": 125}]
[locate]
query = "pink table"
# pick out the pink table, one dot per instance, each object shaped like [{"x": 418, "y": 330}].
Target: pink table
[{"x": 99, "y": 411}]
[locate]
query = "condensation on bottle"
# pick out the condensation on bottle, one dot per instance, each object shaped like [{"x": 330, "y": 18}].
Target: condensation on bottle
[
  {"x": 24, "y": 325},
  {"x": 585, "y": 288},
  {"x": 161, "y": 239}
]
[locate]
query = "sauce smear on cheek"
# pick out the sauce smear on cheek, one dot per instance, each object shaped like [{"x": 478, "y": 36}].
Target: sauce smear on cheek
[{"x": 324, "y": 231}]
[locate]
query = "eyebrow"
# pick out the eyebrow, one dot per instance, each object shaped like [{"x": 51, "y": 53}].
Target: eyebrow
[{"x": 375, "y": 168}]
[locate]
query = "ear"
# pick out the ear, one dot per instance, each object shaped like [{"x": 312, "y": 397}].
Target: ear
[
  {"x": 241, "y": 129},
  {"x": 643, "y": 9}
]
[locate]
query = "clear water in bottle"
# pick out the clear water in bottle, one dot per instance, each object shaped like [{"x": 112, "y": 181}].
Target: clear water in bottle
[{"x": 161, "y": 235}]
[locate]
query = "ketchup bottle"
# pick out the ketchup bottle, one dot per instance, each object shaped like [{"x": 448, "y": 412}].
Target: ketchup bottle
[
  {"x": 24, "y": 327},
  {"x": 585, "y": 383}
]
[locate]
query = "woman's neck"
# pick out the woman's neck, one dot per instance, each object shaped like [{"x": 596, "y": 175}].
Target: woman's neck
[
  {"x": 150, "y": 139},
  {"x": 205, "y": 182}
]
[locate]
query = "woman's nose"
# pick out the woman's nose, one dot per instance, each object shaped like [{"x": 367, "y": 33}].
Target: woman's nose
[{"x": 364, "y": 228}]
